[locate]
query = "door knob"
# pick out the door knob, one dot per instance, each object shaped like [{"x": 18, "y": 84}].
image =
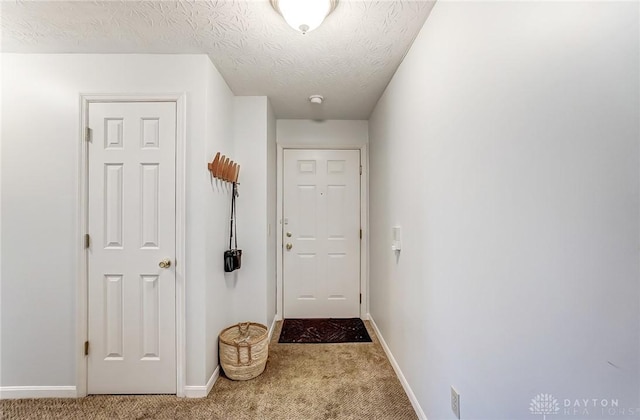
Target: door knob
[
  {"x": 166, "y": 263},
  {"x": 289, "y": 246}
]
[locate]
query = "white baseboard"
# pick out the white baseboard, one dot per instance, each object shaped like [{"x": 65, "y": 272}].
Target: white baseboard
[
  {"x": 14, "y": 392},
  {"x": 276, "y": 318},
  {"x": 396, "y": 367},
  {"x": 195, "y": 391}
]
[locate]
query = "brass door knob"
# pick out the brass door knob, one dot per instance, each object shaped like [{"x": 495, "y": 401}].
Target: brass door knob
[
  {"x": 289, "y": 246},
  {"x": 166, "y": 263}
]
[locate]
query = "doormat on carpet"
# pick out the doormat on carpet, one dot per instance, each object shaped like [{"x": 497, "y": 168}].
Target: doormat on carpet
[{"x": 323, "y": 330}]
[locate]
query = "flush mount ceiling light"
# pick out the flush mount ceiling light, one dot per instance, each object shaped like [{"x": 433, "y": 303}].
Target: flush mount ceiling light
[{"x": 304, "y": 15}]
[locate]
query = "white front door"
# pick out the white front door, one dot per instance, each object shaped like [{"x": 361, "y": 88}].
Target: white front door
[
  {"x": 321, "y": 269},
  {"x": 132, "y": 335}
]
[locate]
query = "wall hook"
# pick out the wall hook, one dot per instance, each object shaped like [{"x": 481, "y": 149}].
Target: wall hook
[{"x": 224, "y": 168}]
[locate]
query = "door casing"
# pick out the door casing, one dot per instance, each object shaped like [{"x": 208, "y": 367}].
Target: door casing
[
  {"x": 364, "y": 220},
  {"x": 82, "y": 227}
]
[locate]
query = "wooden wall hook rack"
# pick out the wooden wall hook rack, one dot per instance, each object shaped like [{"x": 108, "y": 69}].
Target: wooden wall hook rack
[{"x": 223, "y": 168}]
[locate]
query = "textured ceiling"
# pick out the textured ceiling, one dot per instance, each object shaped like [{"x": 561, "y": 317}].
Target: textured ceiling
[{"x": 349, "y": 59}]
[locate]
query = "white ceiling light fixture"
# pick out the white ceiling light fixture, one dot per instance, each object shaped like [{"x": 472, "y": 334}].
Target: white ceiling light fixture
[
  {"x": 316, "y": 99},
  {"x": 304, "y": 15}
]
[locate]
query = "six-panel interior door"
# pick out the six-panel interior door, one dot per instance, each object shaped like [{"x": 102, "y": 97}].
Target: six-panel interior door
[
  {"x": 321, "y": 267},
  {"x": 132, "y": 337}
]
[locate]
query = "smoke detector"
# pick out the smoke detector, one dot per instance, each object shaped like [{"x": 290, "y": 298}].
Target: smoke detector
[{"x": 316, "y": 99}]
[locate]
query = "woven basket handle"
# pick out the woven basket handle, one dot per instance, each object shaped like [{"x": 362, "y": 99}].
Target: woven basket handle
[
  {"x": 248, "y": 346},
  {"x": 243, "y": 328},
  {"x": 242, "y": 341}
]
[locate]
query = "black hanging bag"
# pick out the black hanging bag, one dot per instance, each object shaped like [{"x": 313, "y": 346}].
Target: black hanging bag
[{"x": 233, "y": 256}]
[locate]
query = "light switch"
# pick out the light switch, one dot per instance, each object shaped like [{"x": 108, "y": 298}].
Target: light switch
[{"x": 396, "y": 234}]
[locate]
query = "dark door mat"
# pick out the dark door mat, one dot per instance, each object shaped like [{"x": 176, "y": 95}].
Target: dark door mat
[{"x": 324, "y": 330}]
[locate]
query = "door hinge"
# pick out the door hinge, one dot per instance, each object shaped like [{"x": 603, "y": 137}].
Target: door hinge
[
  {"x": 86, "y": 348},
  {"x": 87, "y": 134},
  {"x": 360, "y": 169},
  {"x": 87, "y": 241},
  {"x": 360, "y": 233},
  {"x": 361, "y": 298}
]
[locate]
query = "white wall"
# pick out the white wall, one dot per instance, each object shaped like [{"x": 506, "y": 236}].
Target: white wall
[
  {"x": 40, "y": 166},
  {"x": 272, "y": 223},
  {"x": 326, "y": 133},
  {"x": 219, "y": 138},
  {"x": 506, "y": 146},
  {"x": 1, "y": 206},
  {"x": 252, "y": 301}
]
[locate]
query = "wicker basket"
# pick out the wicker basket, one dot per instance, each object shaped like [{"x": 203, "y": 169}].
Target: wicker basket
[{"x": 243, "y": 350}]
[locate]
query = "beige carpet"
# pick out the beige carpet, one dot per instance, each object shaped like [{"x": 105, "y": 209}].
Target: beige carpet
[{"x": 301, "y": 381}]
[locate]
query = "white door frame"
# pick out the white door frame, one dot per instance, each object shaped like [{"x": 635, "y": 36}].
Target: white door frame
[
  {"x": 82, "y": 274},
  {"x": 364, "y": 222}
]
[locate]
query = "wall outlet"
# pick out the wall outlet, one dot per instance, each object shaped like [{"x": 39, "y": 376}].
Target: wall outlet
[{"x": 455, "y": 402}]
